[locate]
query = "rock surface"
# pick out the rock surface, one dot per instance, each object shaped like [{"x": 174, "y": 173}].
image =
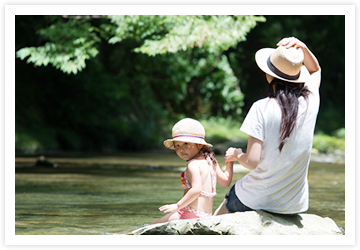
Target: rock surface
[{"x": 246, "y": 223}]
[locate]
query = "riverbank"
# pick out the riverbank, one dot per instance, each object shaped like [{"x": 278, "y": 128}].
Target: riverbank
[
  {"x": 337, "y": 156},
  {"x": 221, "y": 133},
  {"x": 333, "y": 156}
]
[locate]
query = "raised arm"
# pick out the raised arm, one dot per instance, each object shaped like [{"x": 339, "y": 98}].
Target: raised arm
[{"x": 310, "y": 61}]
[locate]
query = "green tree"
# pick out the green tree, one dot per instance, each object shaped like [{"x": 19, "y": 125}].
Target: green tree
[
  {"x": 198, "y": 41},
  {"x": 71, "y": 40},
  {"x": 137, "y": 74}
]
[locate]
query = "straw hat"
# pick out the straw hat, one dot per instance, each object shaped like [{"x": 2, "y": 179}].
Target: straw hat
[
  {"x": 282, "y": 63},
  {"x": 187, "y": 130}
]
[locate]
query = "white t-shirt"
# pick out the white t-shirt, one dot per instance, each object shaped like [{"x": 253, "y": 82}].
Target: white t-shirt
[{"x": 279, "y": 183}]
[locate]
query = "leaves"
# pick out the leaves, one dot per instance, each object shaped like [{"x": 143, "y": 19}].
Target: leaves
[
  {"x": 140, "y": 73},
  {"x": 170, "y": 34},
  {"x": 202, "y": 78},
  {"x": 132, "y": 89},
  {"x": 71, "y": 43}
]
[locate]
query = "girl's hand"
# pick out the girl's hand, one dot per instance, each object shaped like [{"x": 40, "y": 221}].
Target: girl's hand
[
  {"x": 169, "y": 208},
  {"x": 291, "y": 42},
  {"x": 232, "y": 154}
]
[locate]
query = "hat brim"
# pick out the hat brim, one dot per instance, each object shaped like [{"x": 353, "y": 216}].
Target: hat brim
[
  {"x": 261, "y": 58},
  {"x": 170, "y": 142}
]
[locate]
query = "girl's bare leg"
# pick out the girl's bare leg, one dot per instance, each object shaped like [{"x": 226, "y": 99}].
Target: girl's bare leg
[{"x": 168, "y": 217}]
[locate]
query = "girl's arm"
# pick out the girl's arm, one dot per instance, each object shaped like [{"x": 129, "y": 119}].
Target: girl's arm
[
  {"x": 251, "y": 158},
  {"x": 192, "y": 193},
  {"x": 225, "y": 178}
]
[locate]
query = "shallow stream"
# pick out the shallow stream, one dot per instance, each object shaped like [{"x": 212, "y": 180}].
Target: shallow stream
[{"x": 105, "y": 194}]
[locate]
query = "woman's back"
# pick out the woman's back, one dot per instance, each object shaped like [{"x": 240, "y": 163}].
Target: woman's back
[
  {"x": 282, "y": 174},
  {"x": 280, "y": 130}
]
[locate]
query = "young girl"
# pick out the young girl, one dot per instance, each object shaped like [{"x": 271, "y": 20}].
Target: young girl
[{"x": 200, "y": 177}]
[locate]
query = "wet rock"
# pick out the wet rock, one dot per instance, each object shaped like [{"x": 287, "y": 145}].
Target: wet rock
[
  {"x": 246, "y": 223},
  {"x": 44, "y": 162},
  {"x": 314, "y": 151}
]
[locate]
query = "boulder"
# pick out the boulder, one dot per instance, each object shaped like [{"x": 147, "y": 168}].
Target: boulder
[{"x": 245, "y": 223}]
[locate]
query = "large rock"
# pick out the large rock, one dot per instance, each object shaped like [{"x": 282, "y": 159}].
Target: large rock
[{"x": 246, "y": 223}]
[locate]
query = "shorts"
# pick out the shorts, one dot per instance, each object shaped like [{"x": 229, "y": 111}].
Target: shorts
[
  {"x": 233, "y": 203},
  {"x": 191, "y": 213}
]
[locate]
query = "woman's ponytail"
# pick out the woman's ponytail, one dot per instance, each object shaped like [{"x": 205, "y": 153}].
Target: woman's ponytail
[{"x": 287, "y": 96}]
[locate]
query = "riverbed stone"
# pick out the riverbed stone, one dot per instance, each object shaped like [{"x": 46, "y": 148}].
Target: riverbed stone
[{"x": 245, "y": 223}]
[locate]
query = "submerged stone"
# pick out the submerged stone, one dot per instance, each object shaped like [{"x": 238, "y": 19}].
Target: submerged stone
[
  {"x": 246, "y": 223},
  {"x": 42, "y": 161}
]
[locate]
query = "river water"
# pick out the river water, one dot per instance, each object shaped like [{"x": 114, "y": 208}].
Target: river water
[{"x": 106, "y": 194}]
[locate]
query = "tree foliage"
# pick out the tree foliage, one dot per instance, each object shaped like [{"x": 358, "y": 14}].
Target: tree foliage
[
  {"x": 68, "y": 44},
  {"x": 120, "y": 82},
  {"x": 150, "y": 70},
  {"x": 71, "y": 40},
  {"x": 171, "y": 34}
]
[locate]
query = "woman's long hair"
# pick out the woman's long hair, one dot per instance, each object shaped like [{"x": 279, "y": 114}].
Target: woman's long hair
[{"x": 287, "y": 96}]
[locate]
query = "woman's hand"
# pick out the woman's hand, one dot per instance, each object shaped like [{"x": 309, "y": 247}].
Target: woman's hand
[
  {"x": 291, "y": 42},
  {"x": 233, "y": 154},
  {"x": 310, "y": 61},
  {"x": 169, "y": 208}
]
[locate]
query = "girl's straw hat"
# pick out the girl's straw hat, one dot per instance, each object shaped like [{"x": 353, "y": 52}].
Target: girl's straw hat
[
  {"x": 187, "y": 130},
  {"x": 282, "y": 63}
]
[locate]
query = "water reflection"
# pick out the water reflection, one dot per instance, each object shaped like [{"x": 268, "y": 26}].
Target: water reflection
[{"x": 119, "y": 193}]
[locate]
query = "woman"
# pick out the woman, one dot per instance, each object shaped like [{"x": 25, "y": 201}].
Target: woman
[{"x": 280, "y": 129}]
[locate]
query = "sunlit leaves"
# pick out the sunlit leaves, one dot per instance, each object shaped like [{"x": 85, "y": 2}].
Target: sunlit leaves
[
  {"x": 192, "y": 49},
  {"x": 170, "y": 34},
  {"x": 71, "y": 40},
  {"x": 71, "y": 43}
]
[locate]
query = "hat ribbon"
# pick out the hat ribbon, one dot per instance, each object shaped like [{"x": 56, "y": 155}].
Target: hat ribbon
[
  {"x": 200, "y": 137},
  {"x": 279, "y": 73}
]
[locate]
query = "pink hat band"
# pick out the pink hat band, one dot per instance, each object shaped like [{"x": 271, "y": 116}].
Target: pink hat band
[{"x": 194, "y": 136}]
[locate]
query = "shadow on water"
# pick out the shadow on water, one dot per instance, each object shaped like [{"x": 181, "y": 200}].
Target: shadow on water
[{"x": 119, "y": 193}]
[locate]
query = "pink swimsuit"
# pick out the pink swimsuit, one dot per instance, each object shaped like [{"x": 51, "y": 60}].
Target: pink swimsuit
[{"x": 192, "y": 213}]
